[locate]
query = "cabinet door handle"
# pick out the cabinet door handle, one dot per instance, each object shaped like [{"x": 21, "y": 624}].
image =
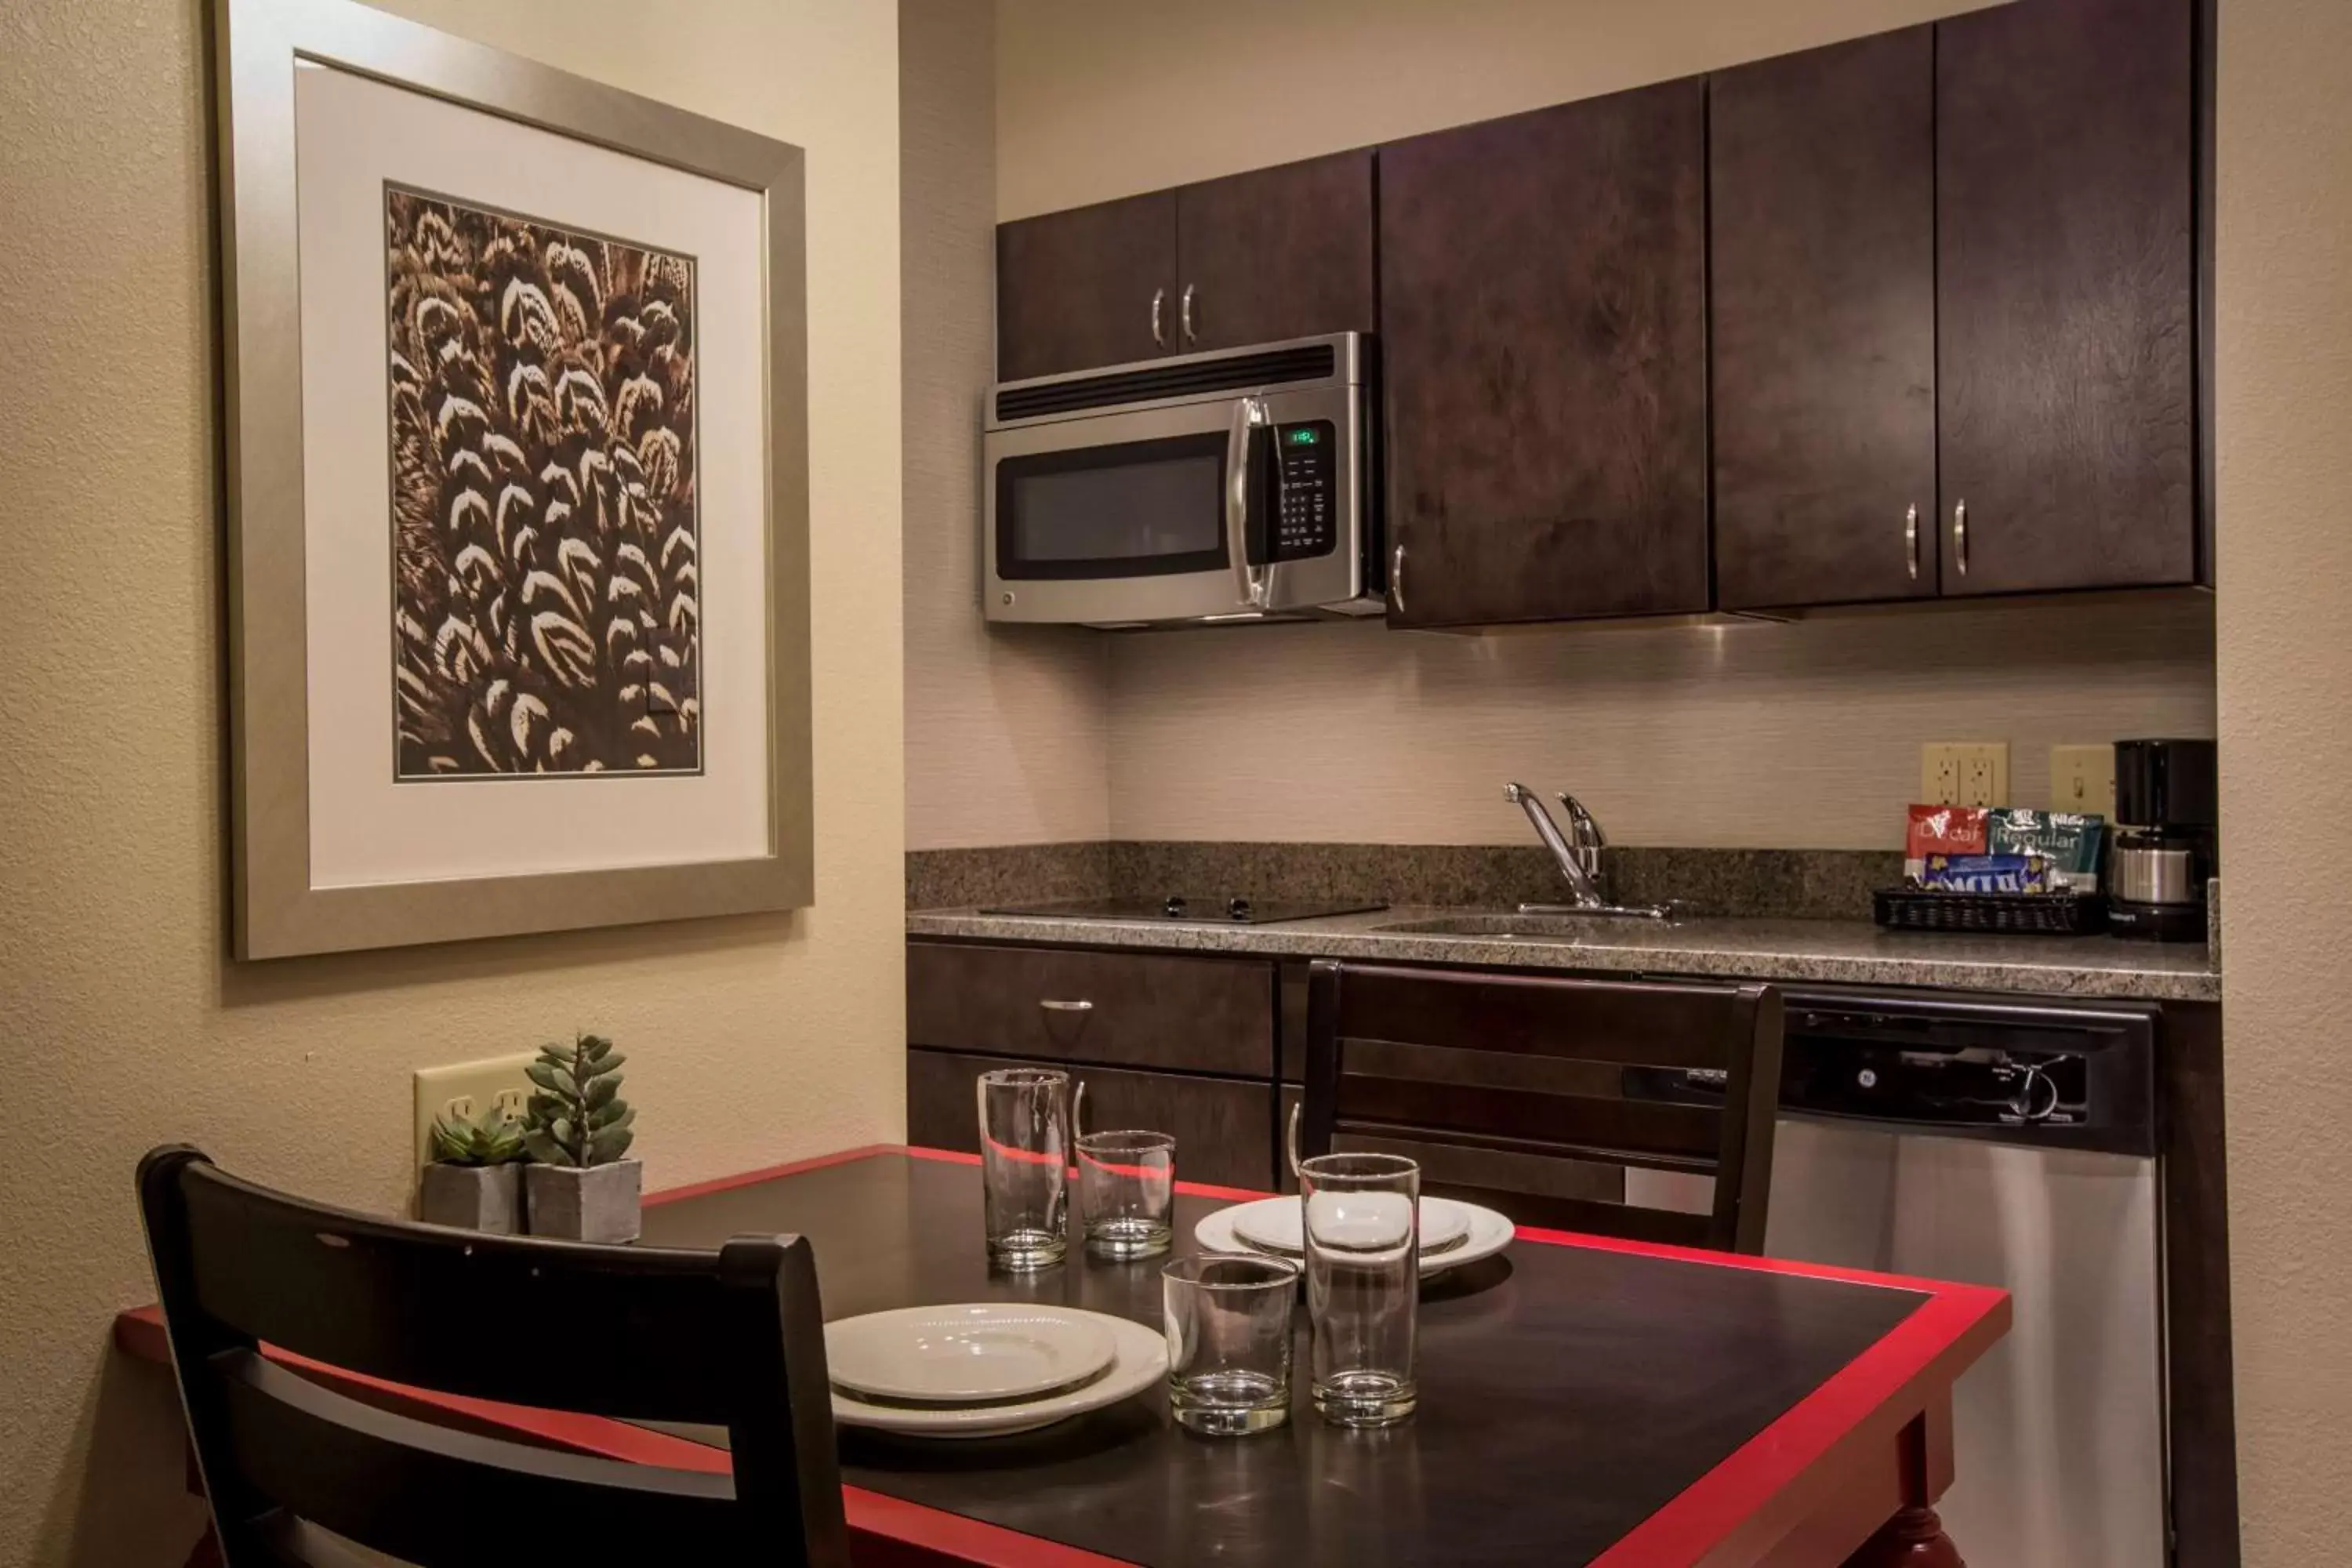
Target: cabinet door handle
[
  {"x": 1961, "y": 536},
  {"x": 1158, "y": 332},
  {"x": 1396, "y": 580},
  {"x": 1052, "y": 1006},
  {"x": 1184, "y": 315},
  {"x": 1911, "y": 540}
]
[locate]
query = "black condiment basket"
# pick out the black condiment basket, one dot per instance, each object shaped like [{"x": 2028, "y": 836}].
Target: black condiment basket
[{"x": 2014, "y": 914}]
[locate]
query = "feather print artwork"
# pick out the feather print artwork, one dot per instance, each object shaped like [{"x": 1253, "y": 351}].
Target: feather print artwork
[{"x": 546, "y": 613}]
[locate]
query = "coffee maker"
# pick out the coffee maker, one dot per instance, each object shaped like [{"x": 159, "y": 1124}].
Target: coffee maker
[{"x": 2166, "y": 845}]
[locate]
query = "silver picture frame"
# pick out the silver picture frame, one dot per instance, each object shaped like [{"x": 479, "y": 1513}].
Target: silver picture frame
[{"x": 258, "y": 45}]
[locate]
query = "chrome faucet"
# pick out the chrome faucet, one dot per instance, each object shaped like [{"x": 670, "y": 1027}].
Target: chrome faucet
[{"x": 1577, "y": 853}]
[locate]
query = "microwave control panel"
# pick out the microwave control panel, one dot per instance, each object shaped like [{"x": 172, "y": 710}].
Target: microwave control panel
[{"x": 1303, "y": 524}]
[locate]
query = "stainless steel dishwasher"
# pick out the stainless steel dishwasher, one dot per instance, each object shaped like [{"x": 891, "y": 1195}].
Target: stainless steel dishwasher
[{"x": 2005, "y": 1142}]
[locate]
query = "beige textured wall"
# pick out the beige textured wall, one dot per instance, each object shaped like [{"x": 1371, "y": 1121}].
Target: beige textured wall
[
  {"x": 1803, "y": 735},
  {"x": 1096, "y": 100},
  {"x": 1797, "y": 735},
  {"x": 2284, "y": 425},
  {"x": 121, "y": 1023},
  {"x": 1005, "y": 739}
]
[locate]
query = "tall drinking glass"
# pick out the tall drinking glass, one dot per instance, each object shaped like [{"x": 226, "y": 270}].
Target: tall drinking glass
[
  {"x": 1363, "y": 1284},
  {"x": 1024, "y": 1166},
  {"x": 1126, "y": 1187},
  {"x": 1229, "y": 1342}
]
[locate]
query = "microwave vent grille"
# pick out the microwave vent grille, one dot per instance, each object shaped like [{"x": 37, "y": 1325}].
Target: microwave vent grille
[{"x": 1316, "y": 362}]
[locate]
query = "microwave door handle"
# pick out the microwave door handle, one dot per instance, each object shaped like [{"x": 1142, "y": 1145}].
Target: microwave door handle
[{"x": 1249, "y": 584}]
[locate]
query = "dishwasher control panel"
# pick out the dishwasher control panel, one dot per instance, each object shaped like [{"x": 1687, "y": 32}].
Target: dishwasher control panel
[{"x": 2055, "y": 1073}]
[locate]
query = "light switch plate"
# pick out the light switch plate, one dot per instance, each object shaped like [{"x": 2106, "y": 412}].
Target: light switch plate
[
  {"x": 1964, "y": 773},
  {"x": 2083, "y": 778},
  {"x": 464, "y": 1089}
]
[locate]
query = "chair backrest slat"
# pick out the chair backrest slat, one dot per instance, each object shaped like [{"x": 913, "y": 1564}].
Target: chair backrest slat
[
  {"x": 1493, "y": 1080},
  {"x": 734, "y": 1338},
  {"x": 406, "y": 1487}
]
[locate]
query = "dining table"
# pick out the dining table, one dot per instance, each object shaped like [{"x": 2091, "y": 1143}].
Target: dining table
[{"x": 1583, "y": 1400}]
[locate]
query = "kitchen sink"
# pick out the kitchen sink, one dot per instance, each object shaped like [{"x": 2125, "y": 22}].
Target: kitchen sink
[{"x": 1538, "y": 928}]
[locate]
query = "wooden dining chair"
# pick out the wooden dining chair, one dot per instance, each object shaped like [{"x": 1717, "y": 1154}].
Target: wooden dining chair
[
  {"x": 732, "y": 1338},
  {"x": 1513, "y": 1093}
]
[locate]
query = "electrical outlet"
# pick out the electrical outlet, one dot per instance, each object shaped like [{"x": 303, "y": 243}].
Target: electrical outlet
[
  {"x": 464, "y": 1089},
  {"x": 1955, "y": 772},
  {"x": 1939, "y": 775},
  {"x": 2083, "y": 778},
  {"x": 1984, "y": 774}
]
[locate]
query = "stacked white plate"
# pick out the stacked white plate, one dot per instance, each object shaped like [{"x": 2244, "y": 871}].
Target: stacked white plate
[
  {"x": 1452, "y": 1234},
  {"x": 985, "y": 1369}
]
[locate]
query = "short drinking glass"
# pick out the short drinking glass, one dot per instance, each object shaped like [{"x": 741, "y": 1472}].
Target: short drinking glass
[
  {"x": 1127, "y": 1185},
  {"x": 1229, "y": 1342},
  {"x": 1025, "y": 1170},
  {"x": 1363, "y": 1284}
]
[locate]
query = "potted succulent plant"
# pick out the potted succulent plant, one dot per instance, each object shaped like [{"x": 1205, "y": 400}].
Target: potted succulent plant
[
  {"x": 475, "y": 1180},
  {"x": 576, "y": 1129}
]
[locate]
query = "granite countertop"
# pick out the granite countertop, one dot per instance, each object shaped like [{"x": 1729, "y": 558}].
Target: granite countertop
[{"x": 1827, "y": 951}]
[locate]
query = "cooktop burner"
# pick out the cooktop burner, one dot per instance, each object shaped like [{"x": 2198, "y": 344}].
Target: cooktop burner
[{"x": 1177, "y": 909}]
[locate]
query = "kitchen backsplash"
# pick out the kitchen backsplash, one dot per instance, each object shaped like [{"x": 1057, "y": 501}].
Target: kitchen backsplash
[{"x": 1804, "y": 884}]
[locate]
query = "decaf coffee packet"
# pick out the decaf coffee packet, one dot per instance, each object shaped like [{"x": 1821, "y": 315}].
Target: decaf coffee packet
[
  {"x": 1942, "y": 830},
  {"x": 2069, "y": 840}
]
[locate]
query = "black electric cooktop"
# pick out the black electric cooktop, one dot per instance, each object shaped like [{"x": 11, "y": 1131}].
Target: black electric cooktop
[{"x": 1177, "y": 909}]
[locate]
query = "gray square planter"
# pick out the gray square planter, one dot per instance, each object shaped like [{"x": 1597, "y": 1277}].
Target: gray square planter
[
  {"x": 598, "y": 1203},
  {"x": 472, "y": 1198}
]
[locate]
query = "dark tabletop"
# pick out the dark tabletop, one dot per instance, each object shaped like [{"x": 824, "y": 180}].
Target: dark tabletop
[{"x": 1566, "y": 1393}]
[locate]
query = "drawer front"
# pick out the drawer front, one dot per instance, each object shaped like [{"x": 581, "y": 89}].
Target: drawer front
[
  {"x": 1224, "y": 1130},
  {"x": 1119, "y": 1009}
]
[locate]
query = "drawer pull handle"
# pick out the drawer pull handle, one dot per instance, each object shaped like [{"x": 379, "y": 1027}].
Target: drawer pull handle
[
  {"x": 1052, "y": 1007},
  {"x": 1290, "y": 1139},
  {"x": 1078, "y": 1114}
]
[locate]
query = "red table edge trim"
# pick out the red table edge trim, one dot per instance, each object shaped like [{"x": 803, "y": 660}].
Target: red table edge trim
[
  {"x": 1953, "y": 1322},
  {"x": 913, "y": 1151}
]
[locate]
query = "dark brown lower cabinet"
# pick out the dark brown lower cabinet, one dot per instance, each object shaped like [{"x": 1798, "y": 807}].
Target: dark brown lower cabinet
[{"x": 1223, "y": 1127}]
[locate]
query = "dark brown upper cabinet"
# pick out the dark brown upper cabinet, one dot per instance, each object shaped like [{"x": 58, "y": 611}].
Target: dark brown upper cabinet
[
  {"x": 1823, "y": 228},
  {"x": 1092, "y": 286},
  {"x": 1276, "y": 253},
  {"x": 1543, "y": 320},
  {"x": 2065, "y": 225}
]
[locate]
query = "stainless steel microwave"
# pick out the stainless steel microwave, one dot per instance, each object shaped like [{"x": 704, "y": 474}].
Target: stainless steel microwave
[{"x": 1202, "y": 488}]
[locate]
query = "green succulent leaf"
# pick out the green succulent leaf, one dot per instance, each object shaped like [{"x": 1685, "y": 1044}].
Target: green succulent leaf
[
  {"x": 609, "y": 1064},
  {"x": 600, "y": 1092},
  {"x": 595, "y": 1047},
  {"x": 543, "y": 1075},
  {"x": 451, "y": 1145},
  {"x": 609, "y": 1145},
  {"x": 620, "y": 1113},
  {"x": 543, "y": 1149}
]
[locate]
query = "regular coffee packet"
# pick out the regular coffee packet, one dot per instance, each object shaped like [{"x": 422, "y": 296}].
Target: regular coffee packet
[{"x": 2069, "y": 840}]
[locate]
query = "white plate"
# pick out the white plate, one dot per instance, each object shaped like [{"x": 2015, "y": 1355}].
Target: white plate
[
  {"x": 974, "y": 1353},
  {"x": 1489, "y": 1234},
  {"x": 1138, "y": 1361},
  {"x": 1276, "y": 1224}
]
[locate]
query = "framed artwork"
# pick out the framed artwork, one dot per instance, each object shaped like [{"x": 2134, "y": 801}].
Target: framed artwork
[{"x": 517, "y": 396}]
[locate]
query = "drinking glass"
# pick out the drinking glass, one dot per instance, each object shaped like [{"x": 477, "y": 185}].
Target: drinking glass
[
  {"x": 1127, "y": 1185},
  {"x": 1025, "y": 1170},
  {"x": 1229, "y": 1342},
  {"x": 1363, "y": 1284}
]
